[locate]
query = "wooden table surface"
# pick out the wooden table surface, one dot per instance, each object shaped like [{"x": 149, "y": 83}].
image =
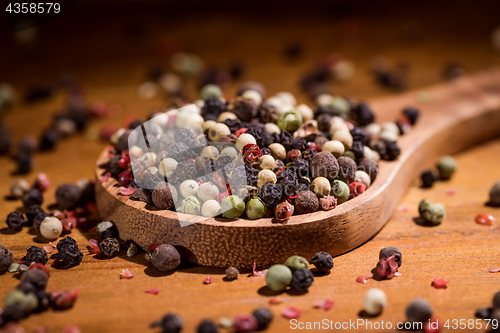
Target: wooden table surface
[{"x": 110, "y": 66}]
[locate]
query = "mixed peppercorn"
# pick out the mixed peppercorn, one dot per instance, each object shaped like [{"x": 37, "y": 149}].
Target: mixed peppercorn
[{"x": 253, "y": 156}]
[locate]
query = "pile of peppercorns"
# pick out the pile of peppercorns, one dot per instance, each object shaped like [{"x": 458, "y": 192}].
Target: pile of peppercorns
[
  {"x": 30, "y": 295},
  {"x": 280, "y": 158}
]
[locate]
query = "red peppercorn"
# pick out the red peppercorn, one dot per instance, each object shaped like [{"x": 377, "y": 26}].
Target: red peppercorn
[
  {"x": 245, "y": 323},
  {"x": 240, "y": 131},
  {"x": 124, "y": 162},
  {"x": 251, "y": 153},
  {"x": 355, "y": 189},
  {"x": 42, "y": 182},
  {"x": 125, "y": 177},
  {"x": 485, "y": 219}
]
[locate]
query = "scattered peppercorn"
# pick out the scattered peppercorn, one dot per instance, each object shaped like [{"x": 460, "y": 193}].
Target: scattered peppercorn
[
  {"x": 207, "y": 326},
  {"x": 36, "y": 254},
  {"x": 324, "y": 164},
  {"x": 107, "y": 229},
  {"x": 375, "y": 301},
  {"x": 245, "y": 323},
  {"x": 412, "y": 114},
  {"x": 232, "y": 273},
  {"x": 296, "y": 262},
  {"x": 389, "y": 251},
  {"x": 264, "y": 317},
  {"x": 170, "y": 323},
  {"x": 71, "y": 255},
  {"x": 278, "y": 277},
  {"x": 36, "y": 279},
  {"x": 31, "y": 212},
  {"x": 418, "y": 311},
  {"x": 428, "y": 178},
  {"x": 302, "y": 279},
  {"x": 38, "y": 219},
  {"x": 33, "y": 197},
  {"x": 68, "y": 195},
  {"x": 164, "y": 196},
  {"x": 495, "y": 195},
  {"x": 6, "y": 258},
  {"x": 165, "y": 257},
  {"x": 51, "y": 227},
  {"x": 109, "y": 247},
  {"x": 15, "y": 220},
  {"x": 446, "y": 166},
  {"x": 24, "y": 163},
  {"x": 323, "y": 262},
  {"x": 48, "y": 139},
  {"x": 433, "y": 213}
]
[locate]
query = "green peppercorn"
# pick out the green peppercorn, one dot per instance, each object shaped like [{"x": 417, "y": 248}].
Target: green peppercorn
[
  {"x": 446, "y": 166},
  {"x": 255, "y": 208},
  {"x": 210, "y": 91},
  {"x": 232, "y": 207},
  {"x": 289, "y": 121},
  {"x": 340, "y": 191},
  {"x": 26, "y": 302},
  {"x": 433, "y": 213},
  {"x": 278, "y": 277},
  {"x": 191, "y": 205},
  {"x": 296, "y": 262}
]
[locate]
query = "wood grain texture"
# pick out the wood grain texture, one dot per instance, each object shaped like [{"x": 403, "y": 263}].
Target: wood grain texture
[
  {"x": 110, "y": 66},
  {"x": 459, "y": 115}
]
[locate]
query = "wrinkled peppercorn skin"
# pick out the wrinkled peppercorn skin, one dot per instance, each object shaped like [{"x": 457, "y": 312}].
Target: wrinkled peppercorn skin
[
  {"x": 109, "y": 247},
  {"x": 6, "y": 258},
  {"x": 302, "y": 279},
  {"x": 323, "y": 262},
  {"x": 36, "y": 254},
  {"x": 15, "y": 220},
  {"x": 71, "y": 255}
]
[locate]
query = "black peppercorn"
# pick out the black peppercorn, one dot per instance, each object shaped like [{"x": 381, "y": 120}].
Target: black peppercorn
[
  {"x": 68, "y": 195},
  {"x": 358, "y": 150},
  {"x": 36, "y": 278},
  {"x": 107, "y": 229},
  {"x": 43, "y": 298},
  {"x": 418, "y": 311},
  {"x": 65, "y": 242},
  {"x": 286, "y": 139},
  {"x": 186, "y": 170},
  {"x": 323, "y": 262},
  {"x": 37, "y": 220},
  {"x": 496, "y": 300},
  {"x": 109, "y": 247},
  {"x": 31, "y": 212},
  {"x": 302, "y": 279},
  {"x": 244, "y": 108},
  {"x": 290, "y": 185},
  {"x": 389, "y": 251},
  {"x": 207, "y": 326},
  {"x": 428, "y": 178},
  {"x": 412, "y": 114},
  {"x": 300, "y": 144},
  {"x": 380, "y": 147},
  {"x": 113, "y": 167},
  {"x": 5, "y": 139},
  {"x": 15, "y": 220},
  {"x": 11, "y": 313},
  {"x": 170, "y": 323},
  {"x": 359, "y": 134},
  {"x": 33, "y": 197},
  {"x": 265, "y": 151},
  {"x": 48, "y": 140},
  {"x": 36, "y": 254},
  {"x": 6, "y": 258},
  {"x": 392, "y": 152},
  {"x": 324, "y": 121},
  {"x": 308, "y": 154},
  {"x": 71, "y": 255},
  {"x": 142, "y": 194},
  {"x": 362, "y": 114},
  {"x": 271, "y": 194},
  {"x": 185, "y": 135},
  {"x": 24, "y": 163},
  {"x": 264, "y": 317},
  {"x": 484, "y": 312},
  {"x": 267, "y": 113},
  {"x": 232, "y": 124},
  {"x": 213, "y": 106}
]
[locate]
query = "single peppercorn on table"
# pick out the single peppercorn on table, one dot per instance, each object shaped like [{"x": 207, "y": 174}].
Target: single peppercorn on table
[
  {"x": 458, "y": 250},
  {"x": 463, "y": 113}
]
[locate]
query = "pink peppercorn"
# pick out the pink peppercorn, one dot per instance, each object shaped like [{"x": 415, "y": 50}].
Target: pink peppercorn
[
  {"x": 42, "y": 182},
  {"x": 245, "y": 323},
  {"x": 124, "y": 162},
  {"x": 355, "y": 189},
  {"x": 125, "y": 177}
]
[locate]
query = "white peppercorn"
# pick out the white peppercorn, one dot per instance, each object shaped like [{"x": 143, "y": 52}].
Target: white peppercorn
[
  {"x": 272, "y": 128},
  {"x": 324, "y": 99},
  {"x": 305, "y": 111},
  {"x": 266, "y": 176},
  {"x": 207, "y": 191},
  {"x": 254, "y": 95},
  {"x": 287, "y": 98},
  {"x": 51, "y": 227},
  {"x": 375, "y": 301},
  {"x": 207, "y": 125},
  {"x": 18, "y": 188},
  {"x": 362, "y": 177},
  {"x": 218, "y": 131},
  {"x": 335, "y": 147},
  {"x": 167, "y": 167},
  {"x": 267, "y": 162},
  {"x": 345, "y": 137},
  {"x": 388, "y": 136},
  {"x": 210, "y": 152},
  {"x": 337, "y": 124},
  {"x": 243, "y": 140},
  {"x": 188, "y": 188},
  {"x": 321, "y": 186},
  {"x": 226, "y": 116},
  {"x": 277, "y": 151},
  {"x": 210, "y": 208},
  {"x": 373, "y": 129},
  {"x": 230, "y": 151}
]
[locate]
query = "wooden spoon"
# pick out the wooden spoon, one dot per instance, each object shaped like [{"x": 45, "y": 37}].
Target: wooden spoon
[{"x": 458, "y": 115}]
